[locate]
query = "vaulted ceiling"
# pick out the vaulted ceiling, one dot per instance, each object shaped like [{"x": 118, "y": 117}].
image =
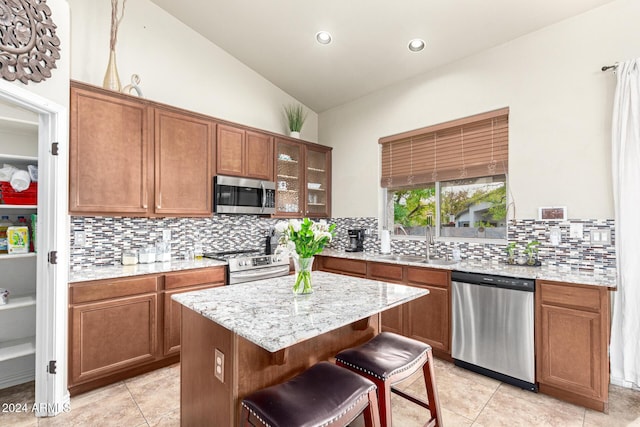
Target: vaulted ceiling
[{"x": 276, "y": 38}]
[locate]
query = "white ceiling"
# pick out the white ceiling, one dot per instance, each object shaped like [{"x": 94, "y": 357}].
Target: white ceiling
[{"x": 276, "y": 38}]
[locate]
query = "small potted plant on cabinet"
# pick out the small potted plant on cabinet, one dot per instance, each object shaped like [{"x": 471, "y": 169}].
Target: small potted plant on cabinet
[{"x": 295, "y": 119}]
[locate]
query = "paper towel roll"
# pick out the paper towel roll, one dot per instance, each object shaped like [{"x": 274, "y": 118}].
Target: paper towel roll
[{"x": 385, "y": 242}]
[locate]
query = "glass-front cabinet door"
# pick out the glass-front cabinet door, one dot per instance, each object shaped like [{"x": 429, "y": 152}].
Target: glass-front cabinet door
[
  {"x": 318, "y": 182},
  {"x": 289, "y": 179}
]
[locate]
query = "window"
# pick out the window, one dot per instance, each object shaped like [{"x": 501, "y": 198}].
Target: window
[
  {"x": 450, "y": 176},
  {"x": 469, "y": 208}
]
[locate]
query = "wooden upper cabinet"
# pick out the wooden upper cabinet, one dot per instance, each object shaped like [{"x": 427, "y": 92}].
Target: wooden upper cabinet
[
  {"x": 259, "y": 156},
  {"x": 182, "y": 163},
  {"x": 244, "y": 153},
  {"x": 109, "y": 154},
  {"x": 230, "y": 150}
]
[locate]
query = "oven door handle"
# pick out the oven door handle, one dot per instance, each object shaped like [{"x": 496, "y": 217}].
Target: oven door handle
[{"x": 263, "y": 273}]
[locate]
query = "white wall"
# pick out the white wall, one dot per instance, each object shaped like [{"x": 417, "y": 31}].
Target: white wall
[
  {"x": 56, "y": 88},
  {"x": 177, "y": 66},
  {"x": 560, "y": 114}
]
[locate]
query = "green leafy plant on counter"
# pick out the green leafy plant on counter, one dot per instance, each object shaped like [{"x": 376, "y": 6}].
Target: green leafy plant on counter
[
  {"x": 531, "y": 251},
  {"x": 511, "y": 253},
  {"x": 295, "y": 116}
]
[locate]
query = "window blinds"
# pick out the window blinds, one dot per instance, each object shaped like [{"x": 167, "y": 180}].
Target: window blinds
[{"x": 470, "y": 147}]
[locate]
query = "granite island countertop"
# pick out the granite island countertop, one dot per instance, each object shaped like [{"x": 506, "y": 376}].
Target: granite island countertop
[
  {"x": 267, "y": 313},
  {"x": 543, "y": 272}
]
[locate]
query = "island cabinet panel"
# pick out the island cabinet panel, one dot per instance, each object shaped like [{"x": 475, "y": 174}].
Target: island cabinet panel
[
  {"x": 208, "y": 400},
  {"x": 110, "y": 145},
  {"x": 572, "y": 337},
  {"x": 182, "y": 164},
  {"x": 112, "y": 335},
  {"x": 349, "y": 267}
]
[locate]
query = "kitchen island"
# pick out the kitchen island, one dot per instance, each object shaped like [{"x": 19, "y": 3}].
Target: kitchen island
[{"x": 241, "y": 338}]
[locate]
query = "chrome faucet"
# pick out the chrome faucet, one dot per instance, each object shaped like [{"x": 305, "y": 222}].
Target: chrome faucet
[{"x": 430, "y": 241}]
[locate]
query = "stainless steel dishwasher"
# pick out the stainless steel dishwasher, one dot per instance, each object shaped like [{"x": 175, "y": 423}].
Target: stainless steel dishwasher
[{"x": 493, "y": 327}]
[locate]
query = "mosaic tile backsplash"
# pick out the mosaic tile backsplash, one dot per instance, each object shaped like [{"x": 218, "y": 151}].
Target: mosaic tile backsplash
[{"x": 106, "y": 237}]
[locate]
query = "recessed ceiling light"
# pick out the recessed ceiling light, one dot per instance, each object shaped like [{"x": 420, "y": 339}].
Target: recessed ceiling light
[
  {"x": 416, "y": 45},
  {"x": 323, "y": 37}
]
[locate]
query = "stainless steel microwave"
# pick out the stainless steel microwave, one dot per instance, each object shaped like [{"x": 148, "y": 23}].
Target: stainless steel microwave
[{"x": 235, "y": 195}]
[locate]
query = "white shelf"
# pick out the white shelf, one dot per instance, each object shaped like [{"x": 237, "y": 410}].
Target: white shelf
[
  {"x": 316, "y": 189},
  {"x": 287, "y": 177},
  {"x": 287, "y": 191},
  {"x": 17, "y": 348},
  {"x": 19, "y": 125},
  {"x": 14, "y": 256},
  {"x": 315, "y": 204},
  {"x": 14, "y": 158},
  {"x": 316, "y": 169},
  {"x": 18, "y": 207},
  {"x": 19, "y": 302},
  {"x": 287, "y": 160}
]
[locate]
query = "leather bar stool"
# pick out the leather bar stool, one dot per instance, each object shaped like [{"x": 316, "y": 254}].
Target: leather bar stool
[
  {"x": 388, "y": 359},
  {"x": 324, "y": 395}
]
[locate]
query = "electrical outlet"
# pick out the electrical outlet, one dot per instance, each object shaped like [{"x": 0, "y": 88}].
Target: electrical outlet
[
  {"x": 166, "y": 235},
  {"x": 219, "y": 365},
  {"x": 79, "y": 239}
]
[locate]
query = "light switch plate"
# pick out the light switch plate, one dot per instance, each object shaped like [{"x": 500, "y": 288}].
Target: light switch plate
[
  {"x": 555, "y": 236},
  {"x": 576, "y": 230},
  {"x": 166, "y": 235},
  {"x": 79, "y": 239}
]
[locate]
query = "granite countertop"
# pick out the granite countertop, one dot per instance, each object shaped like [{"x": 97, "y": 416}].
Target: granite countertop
[
  {"x": 543, "y": 272},
  {"x": 121, "y": 271},
  {"x": 267, "y": 313}
]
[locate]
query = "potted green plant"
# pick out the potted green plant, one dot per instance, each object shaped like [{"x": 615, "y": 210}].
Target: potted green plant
[
  {"x": 531, "y": 251},
  {"x": 511, "y": 253},
  {"x": 295, "y": 118}
]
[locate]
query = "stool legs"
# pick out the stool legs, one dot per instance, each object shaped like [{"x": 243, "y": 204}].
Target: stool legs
[{"x": 385, "y": 389}]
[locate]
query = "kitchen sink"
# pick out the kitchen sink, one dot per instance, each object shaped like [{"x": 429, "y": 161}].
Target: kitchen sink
[
  {"x": 407, "y": 258},
  {"x": 415, "y": 258},
  {"x": 439, "y": 261}
]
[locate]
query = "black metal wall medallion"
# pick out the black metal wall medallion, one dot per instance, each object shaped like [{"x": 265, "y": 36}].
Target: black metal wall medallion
[{"x": 29, "y": 46}]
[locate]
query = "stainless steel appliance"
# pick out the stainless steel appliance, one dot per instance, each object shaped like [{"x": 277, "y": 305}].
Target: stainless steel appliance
[
  {"x": 493, "y": 326},
  {"x": 251, "y": 264},
  {"x": 356, "y": 240},
  {"x": 243, "y": 196}
]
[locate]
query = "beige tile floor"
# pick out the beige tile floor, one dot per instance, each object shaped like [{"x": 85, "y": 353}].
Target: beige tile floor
[{"x": 467, "y": 399}]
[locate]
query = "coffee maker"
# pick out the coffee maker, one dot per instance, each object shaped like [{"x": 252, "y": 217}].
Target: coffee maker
[{"x": 356, "y": 239}]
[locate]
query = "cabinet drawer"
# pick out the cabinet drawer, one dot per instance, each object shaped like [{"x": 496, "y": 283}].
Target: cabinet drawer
[
  {"x": 586, "y": 298},
  {"x": 392, "y": 272},
  {"x": 428, "y": 276},
  {"x": 115, "y": 288},
  {"x": 345, "y": 266},
  {"x": 213, "y": 275}
]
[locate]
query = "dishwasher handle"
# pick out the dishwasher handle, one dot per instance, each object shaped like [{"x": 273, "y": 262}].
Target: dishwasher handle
[{"x": 515, "y": 283}]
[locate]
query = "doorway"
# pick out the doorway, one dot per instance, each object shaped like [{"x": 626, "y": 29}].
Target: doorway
[{"x": 33, "y": 131}]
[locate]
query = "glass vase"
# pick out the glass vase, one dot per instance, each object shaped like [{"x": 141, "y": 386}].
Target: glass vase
[{"x": 303, "y": 283}]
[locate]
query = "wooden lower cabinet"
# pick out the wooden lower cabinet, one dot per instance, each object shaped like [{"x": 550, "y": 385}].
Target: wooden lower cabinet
[
  {"x": 427, "y": 319},
  {"x": 120, "y": 328},
  {"x": 572, "y": 337},
  {"x": 349, "y": 267},
  {"x": 112, "y": 335}
]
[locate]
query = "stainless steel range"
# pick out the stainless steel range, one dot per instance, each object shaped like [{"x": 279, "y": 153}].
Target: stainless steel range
[{"x": 251, "y": 264}]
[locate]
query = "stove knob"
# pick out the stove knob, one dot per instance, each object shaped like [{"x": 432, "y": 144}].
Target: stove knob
[{"x": 242, "y": 263}]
